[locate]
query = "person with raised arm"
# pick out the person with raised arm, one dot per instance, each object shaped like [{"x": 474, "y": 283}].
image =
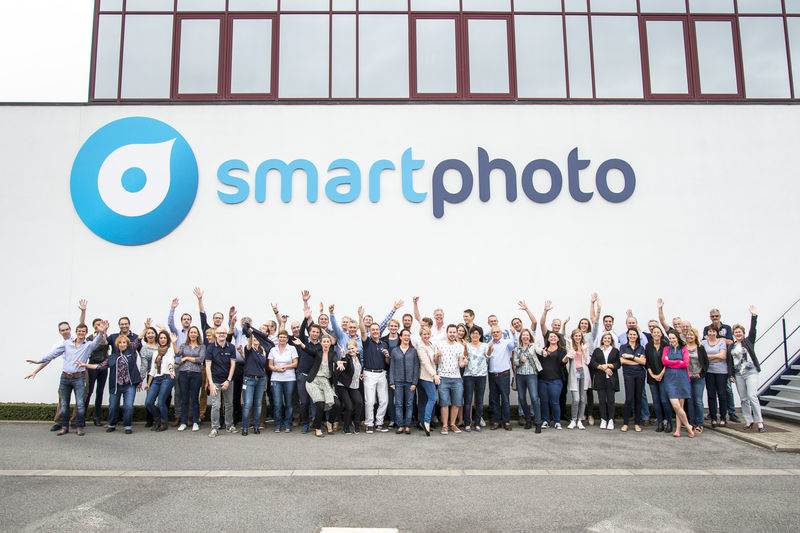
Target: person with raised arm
[
  {"x": 677, "y": 323},
  {"x": 590, "y": 327},
  {"x": 124, "y": 380},
  {"x": 346, "y": 332},
  {"x": 743, "y": 367},
  {"x": 438, "y": 330},
  {"x": 65, "y": 330},
  {"x": 675, "y": 358},
  {"x": 186, "y": 322},
  {"x": 577, "y": 360},
  {"x": 526, "y": 366},
  {"x": 161, "y": 377},
  {"x": 189, "y": 358},
  {"x": 97, "y": 378},
  {"x": 220, "y": 364},
  {"x": 556, "y": 324},
  {"x": 524, "y": 307},
  {"x": 374, "y": 358},
  {"x": 309, "y": 336},
  {"x": 605, "y": 362},
  {"x": 74, "y": 351},
  {"x": 655, "y": 378},
  {"x": 403, "y": 378},
  {"x": 499, "y": 352}
]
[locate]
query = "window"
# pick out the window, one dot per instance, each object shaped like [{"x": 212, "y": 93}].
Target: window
[
  {"x": 541, "y": 72},
  {"x": 251, "y": 54},
  {"x": 436, "y": 71},
  {"x": 383, "y": 56},
  {"x": 667, "y": 59},
  {"x": 488, "y": 63},
  {"x": 766, "y": 73},
  {"x": 617, "y": 58},
  {"x": 303, "y": 63},
  {"x": 199, "y": 56},
  {"x": 146, "y": 57},
  {"x": 717, "y": 61}
]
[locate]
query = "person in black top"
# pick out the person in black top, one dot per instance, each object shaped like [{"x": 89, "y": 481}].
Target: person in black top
[
  {"x": 655, "y": 374},
  {"x": 551, "y": 379},
  {"x": 605, "y": 362}
]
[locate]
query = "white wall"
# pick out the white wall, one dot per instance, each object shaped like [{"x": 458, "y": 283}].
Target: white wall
[{"x": 712, "y": 221}]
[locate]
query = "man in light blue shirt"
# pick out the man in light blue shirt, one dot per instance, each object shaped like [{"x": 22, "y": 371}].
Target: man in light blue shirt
[
  {"x": 500, "y": 350},
  {"x": 72, "y": 375}
]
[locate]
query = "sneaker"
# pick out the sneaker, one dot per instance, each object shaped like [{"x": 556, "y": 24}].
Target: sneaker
[
  {"x": 305, "y": 428},
  {"x": 610, "y": 424},
  {"x": 348, "y": 431},
  {"x": 483, "y": 423},
  {"x": 572, "y": 424},
  {"x": 382, "y": 429},
  {"x": 268, "y": 420},
  {"x": 277, "y": 429},
  {"x": 369, "y": 430},
  {"x": 603, "y": 424},
  {"x": 545, "y": 425},
  {"x": 212, "y": 434},
  {"x": 195, "y": 427},
  {"x": 356, "y": 429},
  {"x": 391, "y": 424},
  {"x": 580, "y": 425},
  {"x": 558, "y": 425},
  {"x": 231, "y": 428},
  {"x": 287, "y": 430},
  {"x": 182, "y": 427}
]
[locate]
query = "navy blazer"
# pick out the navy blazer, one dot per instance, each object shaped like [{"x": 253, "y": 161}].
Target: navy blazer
[{"x": 133, "y": 369}]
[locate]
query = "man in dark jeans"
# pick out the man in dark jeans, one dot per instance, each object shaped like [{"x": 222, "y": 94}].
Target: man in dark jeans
[{"x": 97, "y": 378}]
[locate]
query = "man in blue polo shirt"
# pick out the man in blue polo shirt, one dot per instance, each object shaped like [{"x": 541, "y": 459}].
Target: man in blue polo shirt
[
  {"x": 220, "y": 365},
  {"x": 374, "y": 357}
]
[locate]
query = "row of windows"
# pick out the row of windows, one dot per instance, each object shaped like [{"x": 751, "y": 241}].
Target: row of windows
[
  {"x": 519, "y": 6},
  {"x": 445, "y": 56}
]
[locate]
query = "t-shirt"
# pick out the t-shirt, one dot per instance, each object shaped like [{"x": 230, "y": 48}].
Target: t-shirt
[
  {"x": 448, "y": 362},
  {"x": 716, "y": 367},
  {"x": 220, "y": 357},
  {"x": 476, "y": 365},
  {"x": 284, "y": 357}
]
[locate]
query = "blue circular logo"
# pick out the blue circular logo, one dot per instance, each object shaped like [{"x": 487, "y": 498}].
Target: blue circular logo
[{"x": 134, "y": 180}]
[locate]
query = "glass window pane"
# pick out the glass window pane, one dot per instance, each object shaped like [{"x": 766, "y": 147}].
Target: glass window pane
[
  {"x": 540, "y": 56},
  {"x": 106, "y": 72},
  {"x": 766, "y": 73},
  {"x": 383, "y": 5},
  {"x": 578, "y": 58},
  {"x": 198, "y": 71},
  {"x": 147, "y": 56},
  {"x": 662, "y": 6},
  {"x": 436, "y": 56},
  {"x": 110, "y": 5},
  {"x": 251, "y": 55},
  {"x": 252, "y": 5},
  {"x": 614, "y": 6},
  {"x": 303, "y": 62},
  {"x": 711, "y": 6},
  {"x": 488, "y": 56},
  {"x": 305, "y": 5},
  {"x": 435, "y": 5},
  {"x": 759, "y": 6},
  {"x": 666, "y": 52},
  {"x": 617, "y": 60},
  {"x": 344, "y": 5},
  {"x": 383, "y": 56},
  {"x": 343, "y": 57},
  {"x": 537, "y": 5},
  {"x": 715, "y": 57},
  {"x": 575, "y": 6},
  {"x": 486, "y": 5},
  {"x": 792, "y": 6},
  {"x": 793, "y": 25},
  {"x": 149, "y": 5},
  {"x": 201, "y": 5}
]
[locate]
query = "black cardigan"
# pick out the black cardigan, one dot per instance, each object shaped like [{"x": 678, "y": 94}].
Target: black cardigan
[
  {"x": 346, "y": 376},
  {"x": 748, "y": 342},
  {"x": 702, "y": 357},
  {"x": 317, "y": 351},
  {"x": 599, "y": 381}
]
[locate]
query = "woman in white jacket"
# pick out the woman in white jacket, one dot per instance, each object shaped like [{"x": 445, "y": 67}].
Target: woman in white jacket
[{"x": 577, "y": 360}]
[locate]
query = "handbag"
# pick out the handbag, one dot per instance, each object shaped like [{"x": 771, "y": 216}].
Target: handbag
[{"x": 514, "y": 382}]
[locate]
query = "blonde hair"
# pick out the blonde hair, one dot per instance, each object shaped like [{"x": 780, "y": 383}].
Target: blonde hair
[{"x": 572, "y": 339}]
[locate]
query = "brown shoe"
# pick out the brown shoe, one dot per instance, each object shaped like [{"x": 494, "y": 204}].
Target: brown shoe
[
  {"x": 80, "y": 433},
  {"x": 507, "y": 426},
  {"x": 176, "y": 423},
  {"x": 190, "y": 422},
  {"x": 63, "y": 431},
  {"x": 646, "y": 423},
  {"x": 495, "y": 425}
]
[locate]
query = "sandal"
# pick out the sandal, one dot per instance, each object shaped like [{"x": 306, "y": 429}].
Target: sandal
[
  {"x": 444, "y": 430},
  {"x": 748, "y": 426},
  {"x": 723, "y": 424},
  {"x": 624, "y": 428},
  {"x": 455, "y": 429},
  {"x": 699, "y": 429},
  {"x": 677, "y": 433},
  {"x": 691, "y": 435},
  {"x": 637, "y": 428},
  {"x": 714, "y": 424}
]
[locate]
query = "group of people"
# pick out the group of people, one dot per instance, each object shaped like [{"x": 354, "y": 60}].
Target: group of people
[{"x": 345, "y": 374}]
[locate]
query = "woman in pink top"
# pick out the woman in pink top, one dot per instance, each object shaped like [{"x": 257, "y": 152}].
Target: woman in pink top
[{"x": 676, "y": 379}]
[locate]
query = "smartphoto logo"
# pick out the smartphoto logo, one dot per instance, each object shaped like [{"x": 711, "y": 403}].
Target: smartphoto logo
[{"x": 134, "y": 180}]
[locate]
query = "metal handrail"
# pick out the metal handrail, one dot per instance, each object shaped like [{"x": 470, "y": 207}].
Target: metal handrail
[
  {"x": 769, "y": 381},
  {"x": 781, "y": 345},
  {"x": 782, "y": 315}
]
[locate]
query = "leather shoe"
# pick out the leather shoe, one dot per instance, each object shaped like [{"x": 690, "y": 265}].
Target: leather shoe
[
  {"x": 538, "y": 428},
  {"x": 244, "y": 433},
  {"x": 507, "y": 426},
  {"x": 257, "y": 431},
  {"x": 63, "y": 431},
  {"x": 55, "y": 427},
  {"x": 734, "y": 418},
  {"x": 128, "y": 431},
  {"x": 98, "y": 423},
  {"x": 528, "y": 424},
  {"x": 495, "y": 425},
  {"x": 110, "y": 429},
  {"x": 176, "y": 423}
]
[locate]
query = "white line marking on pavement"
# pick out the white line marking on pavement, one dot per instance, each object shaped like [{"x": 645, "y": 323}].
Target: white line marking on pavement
[{"x": 385, "y": 472}]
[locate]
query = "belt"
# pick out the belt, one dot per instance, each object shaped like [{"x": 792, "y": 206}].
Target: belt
[
  {"x": 499, "y": 373},
  {"x": 375, "y": 371},
  {"x": 254, "y": 377},
  {"x": 75, "y": 375}
]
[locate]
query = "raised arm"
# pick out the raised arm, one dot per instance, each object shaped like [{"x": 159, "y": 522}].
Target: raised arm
[
  {"x": 524, "y": 307},
  {"x": 661, "y": 317},
  {"x": 548, "y": 305},
  {"x": 337, "y": 329},
  {"x": 202, "y": 308},
  {"x": 305, "y": 295},
  {"x": 361, "y": 325},
  {"x": 171, "y": 316},
  {"x": 82, "y": 306},
  {"x": 417, "y": 315},
  {"x": 594, "y": 311},
  {"x": 397, "y": 305},
  {"x": 751, "y": 336},
  {"x": 281, "y": 321}
]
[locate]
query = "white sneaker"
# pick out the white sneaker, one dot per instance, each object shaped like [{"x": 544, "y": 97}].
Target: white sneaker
[
  {"x": 195, "y": 427},
  {"x": 610, "y": 424},
  {"x": 558, "y": 425},
  {"x": 483, "y": 423},
  {"x": 580, "y": 425},
  {"x": 212, "y": 434},
  {"x": 572, "y": 424},
  {"x": 544, "y": 425},
  {"x": 182, "y": 427},
  {"x": 231, "y": 429},
  {"x": 603, "y": 424}
]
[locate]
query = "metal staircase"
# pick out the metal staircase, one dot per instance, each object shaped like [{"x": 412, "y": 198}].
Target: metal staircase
[{"x": 779, "y": 394}]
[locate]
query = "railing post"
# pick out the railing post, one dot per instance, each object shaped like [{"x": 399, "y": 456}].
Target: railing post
[{"x": 785, "y": 348}]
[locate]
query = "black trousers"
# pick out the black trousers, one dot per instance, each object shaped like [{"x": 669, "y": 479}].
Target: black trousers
[
  {"x": 319, "y": 415},
  {"x": 605, "y": 399},
  {"x": 351, "y": 405},
  {"x": 238, "y": 379}
]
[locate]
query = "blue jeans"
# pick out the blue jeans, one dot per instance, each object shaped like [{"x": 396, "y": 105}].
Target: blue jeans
[
  {"x": 661, "y": 405},
  {"x": 403, "y": 403},
  {"x": 528, "y": 385},
  {"x": 159, "y": 390},
  {"x": 451, "y": 392},
  {"x": 549, "y": 393},
  {"x": 430, "y": 396},
  {"x": 282, "y": 398},
  {"x": 645, "y": 408},
  {"x": 476, "y": 384},
  {"x": 127, "y": 392},
  {"x": 66, "y": 387},
  {"x": 97, "y": 383},
  {"x": 253, "y": 390},
  {"x": 695, "y": 410},
  {"x": 190, "y": 383},
  {"x": 499, "y": 390}
]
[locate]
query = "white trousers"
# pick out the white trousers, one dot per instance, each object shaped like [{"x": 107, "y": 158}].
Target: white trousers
[{"x": 375, "y": 384}]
